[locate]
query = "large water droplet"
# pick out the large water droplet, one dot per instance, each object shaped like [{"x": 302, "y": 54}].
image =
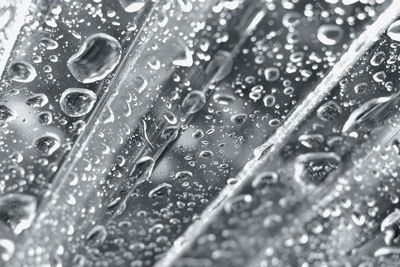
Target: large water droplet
[
  {"x": 17, "y": 211},
  {"x": 394, "y": 31},
  {"x": 22, "y": 72},
  {"x": 76, "y": 102},
  {"x": 330, "y": 34},
  {"x": 97, "y": 57}
]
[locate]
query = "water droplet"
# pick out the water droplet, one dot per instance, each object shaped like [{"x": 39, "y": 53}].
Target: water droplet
[
  {"x": 311, "y": 140},
  {"x": 6, "y": 15},
  {"x": 183, "y": 175},
  {"x": 223, "y": 99},
  {"x": 161, "y": 190},
  {"x": 22, "y": 72},
  {"x": 132, "y": 6},
  {"x": 6, "y": 114},
  {"x": 361, "y": 88},
  {"x": 47, "y": 144},
  {"x": 206, "y": 154},
  {"x": 291, "y": 19},
  {"x": 390, "y": 220},
  {"x": 394, "y": 31},
  {"x": 97, "y": 235},
  {"x": 76, "y": 102},
  {"x": 384, "y": 251},
  {"x": 193, "y": 102},
  {"x": 198, "y": 134},
  {"x": 239, "y": 119},
  {"x": 238, "y": 204},
  {"x": 140, "y": 83},
  {"x": 186, "y": 5},
  {"x": 170, "y": 117},
  {"x": 7, "y": 249},
  {"x": 17, "y": 211},
  {"x": 329, "y": 111},
  {"x": 369, "y": 114},
  {"x": 142, "y": 169},
  {"x": 37, "y": 100},
  {"x": 269, "y": 100},
  {"x": 45, "y": 118},
  {"x": 313, "y": 169},
  {"x": 271, "y": 74},
  {"x": 97, "y": 57},
  {"x": 219, "y": 67},
  {"x": 186, "y": 60},
  {"x": 48, "y": 43},
  {"x": 378, "y": 58},
  {"x": 330, "y": 34},
  {"x": 265, "y": 178}
]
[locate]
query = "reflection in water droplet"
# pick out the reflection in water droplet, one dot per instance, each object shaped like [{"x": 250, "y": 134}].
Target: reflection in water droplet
[
  {"x": 330, "y": 34},
  {"x": 17, "y": 211},
  {"x": 97, "y": 57},
  {"x": 22, "y": 72},
  {"x": 76, "y": 102}
]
